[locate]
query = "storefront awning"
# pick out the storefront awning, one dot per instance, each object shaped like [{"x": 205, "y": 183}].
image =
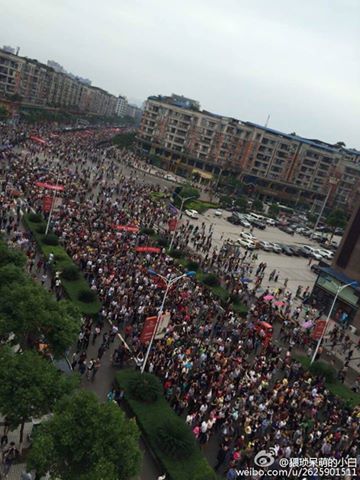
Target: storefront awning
[{"x": 205, "y": 175}]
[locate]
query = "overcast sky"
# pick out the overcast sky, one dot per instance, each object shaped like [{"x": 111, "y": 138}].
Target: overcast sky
[{"x": 297, "y": 60}]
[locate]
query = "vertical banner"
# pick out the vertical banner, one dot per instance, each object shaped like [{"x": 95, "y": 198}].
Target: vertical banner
[
  {"x": 172, "y": 224},
  {"x": 148, "y": 329},
  {"x": 47, "y": 203},
  {"x": 318, "y": 330}
]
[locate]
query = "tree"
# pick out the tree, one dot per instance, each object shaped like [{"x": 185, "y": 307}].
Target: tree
[
  {"x": 258, "y": 206},
  {"x": 3, "y": 112},
  {"x": 30, "y": 387},
  {"x": 86, "y": 440},
  {"x": 30, "y": 312},
  {"x": 274, "y": 210},
  {"x": 11, "y": 255},
  {"x": 186, "y": 191},
  {"x": 340, "y": 144},
  {"x": 336, "y": 219}
]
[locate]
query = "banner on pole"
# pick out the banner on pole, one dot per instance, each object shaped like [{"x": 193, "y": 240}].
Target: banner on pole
[
  {"x": 172, "y": 224},
  {"x": 318, "y": 330},
  {"x": 37, "y": 140},
  {"x": 162, "y": 326},
  {"x": 148, "y": 329},
  {"x": 126, "y": 228},
  {"x": 47, "y": 203}
]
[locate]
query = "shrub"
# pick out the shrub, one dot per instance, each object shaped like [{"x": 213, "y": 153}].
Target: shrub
[
  {"x": 323, "y": 370},
  {"x": 145, "y": 388},
  {"x": 50, "y": 239},
  {"x": 211, "y": 280},
  {"x": 176, "y": 253},
  {"x": 41, "y": 228},
  {"x": 87, "y": 296},
  {"x": 60, "y": 257},
  {"x": 175, "y": 439},
  {"x": 192, "y": 266},
  {"x": 70, "y": 272},
  {"x": 163, "y": 242},
  {"x": 205, "y": 473},
  {"x": 35, "y": 218},
  {"x": 147, "y": 231}
]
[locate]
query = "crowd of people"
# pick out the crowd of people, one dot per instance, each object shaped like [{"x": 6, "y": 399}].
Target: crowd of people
[{"x": 231, "y": 387}]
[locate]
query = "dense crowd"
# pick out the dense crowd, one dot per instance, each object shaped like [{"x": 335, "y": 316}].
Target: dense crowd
[{"x": 216, "y": 369}]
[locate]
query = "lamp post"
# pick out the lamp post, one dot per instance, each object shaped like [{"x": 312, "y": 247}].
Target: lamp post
[
  {"x": 339, "y": 290},
  {"x": 183, "y": 200},
  {"x": 168, "y": 285}
]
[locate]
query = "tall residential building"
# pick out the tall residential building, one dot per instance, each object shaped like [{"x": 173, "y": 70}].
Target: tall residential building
[
  {"x": 281, "y": 166},
  {"x": 36, "y": 84},
  {"x": 121, "y": 106}
]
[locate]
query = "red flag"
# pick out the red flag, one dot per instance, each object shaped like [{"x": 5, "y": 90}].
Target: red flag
[
  {"x": 47, "y": 203},
  {"x": 148, "y": 249},
  {"x": 148, "y": 329},
  {"x": 318, "y": 330}
]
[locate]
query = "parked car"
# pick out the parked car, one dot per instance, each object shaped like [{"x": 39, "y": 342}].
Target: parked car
[
  {"x": 245, "y": 223},
  {"x": 246, "y": 243},
  {"x": 286, "y": 249},
  {"x": 259, "y": 224},
  {"x": 286, "y": 229},
  {"x": 275, "y": 247},
  {"x": 271, "y": 221},
  {"x": 315, "y": 267},
  {"x": 234, "y": 219},
  {"x": 192, "y": 213},
  {"x": 264, "y": 245},
  {"x": 218, "y": 213},
  {"x": 303, "y": 252},
  {"x": 248, "y": 236},
  {"x": 326, "y": 253},
  {"x": 296, "y": 250}
]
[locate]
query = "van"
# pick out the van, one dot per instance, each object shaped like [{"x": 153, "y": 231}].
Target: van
[{"x": 255, "y": 216}]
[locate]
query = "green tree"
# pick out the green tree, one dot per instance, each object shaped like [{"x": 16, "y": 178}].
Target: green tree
[
  {"x": 30, "y": 312},
  {"x": 274, "y": 210},
  {"x": 336, "y": 219},
  {"x": 185, "y": 192},
  {"x": 258, "y": 206},
  {"x": 86, "y": 440},
  {"x": 241, "y": 203},
  {"x": 3, "y": 112},
  {"x": 30, "y": 387},
  {"x": 11, "y": 255}
]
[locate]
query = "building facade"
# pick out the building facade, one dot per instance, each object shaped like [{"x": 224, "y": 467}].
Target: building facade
[
  {"x": 121, "y": 106},
  {"x": 281, "y": 166},
  {"x": 35, "y": 84}
]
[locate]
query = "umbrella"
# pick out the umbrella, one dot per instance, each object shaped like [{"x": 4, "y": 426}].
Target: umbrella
[
  {"x": 279, "y": 303},
  {"x": 307, "y": 324},
  {"x": 267, "y": 298},
  {"x": 245, "y": 280}
]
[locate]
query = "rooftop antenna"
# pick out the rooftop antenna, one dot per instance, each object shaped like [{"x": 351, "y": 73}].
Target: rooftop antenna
[{"x": 267, "y": 121}]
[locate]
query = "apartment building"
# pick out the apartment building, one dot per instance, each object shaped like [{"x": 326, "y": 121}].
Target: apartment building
[
  {"x": 121, "y": 106},
  {"x": 41, "y": 85},
  {"x": 281, "y": 166}
]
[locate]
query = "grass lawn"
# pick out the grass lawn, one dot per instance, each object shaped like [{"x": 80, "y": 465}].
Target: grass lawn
[
  {"x": 150, "y": 416},
  {"x": 200, "y": 206},
  {"x": 336, "y": 388},
  {"x": 62, "y": 259}
]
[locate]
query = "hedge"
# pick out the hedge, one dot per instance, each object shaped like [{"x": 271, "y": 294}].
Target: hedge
[
  {"x": 62, "y": 262},
  {"x": 157, "y": 415}
]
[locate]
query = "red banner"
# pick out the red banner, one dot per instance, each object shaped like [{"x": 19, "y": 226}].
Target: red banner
[
  {"x": 148, "y": 249},
  {"x": 318, "y": 330},
  {"x": 148, "y": 329},
  {"x": 172, "y": 224},
  {"x": 126, "y": 228},
  {"x": 49, "y": 186},
  {"x": 47, "y": 203},
  {"x": 37, "y": 140}
]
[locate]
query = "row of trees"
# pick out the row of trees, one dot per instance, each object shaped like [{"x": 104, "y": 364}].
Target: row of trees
[{"x": 83, "y": 439}]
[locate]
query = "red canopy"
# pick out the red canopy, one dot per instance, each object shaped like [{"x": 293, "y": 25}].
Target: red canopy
[{"x": 148, "y": 249}]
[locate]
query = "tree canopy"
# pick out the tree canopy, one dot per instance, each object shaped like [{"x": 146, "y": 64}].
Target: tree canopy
[
  {"x": 337, "y": 218},
  {"x": 11, "y": 255},
  {"x": 86, "y": 440},
  {"x": 30, "y": 386},
  {"x": 187, "y": 191}
]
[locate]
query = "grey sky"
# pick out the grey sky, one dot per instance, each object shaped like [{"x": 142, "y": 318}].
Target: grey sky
[{"x": 297, "y": 60}]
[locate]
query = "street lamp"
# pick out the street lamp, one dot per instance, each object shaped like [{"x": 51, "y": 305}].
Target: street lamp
[
  {"x": 169, "y": 283},
  {"x": 183, "y": 200},
  {"x": 339, "y": 290}
]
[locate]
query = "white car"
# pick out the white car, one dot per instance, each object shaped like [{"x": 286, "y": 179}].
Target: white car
[
  {"x": 326, "y": 253},
  {"x": 264, "y": 245},
  {"x": 247, "y": 236},
  {"x": 270, "y": 221},
  {"x": 275, "y": 247},
  {"x": 246, "y": 243},
  {"x": 192, "y": 213},
  {"x": 218, "y": 213}
]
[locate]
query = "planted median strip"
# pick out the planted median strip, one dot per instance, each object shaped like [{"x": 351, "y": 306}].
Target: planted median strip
[
  {"x": 73, "y": 281},
  {"x": 169, "y": 438}
]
